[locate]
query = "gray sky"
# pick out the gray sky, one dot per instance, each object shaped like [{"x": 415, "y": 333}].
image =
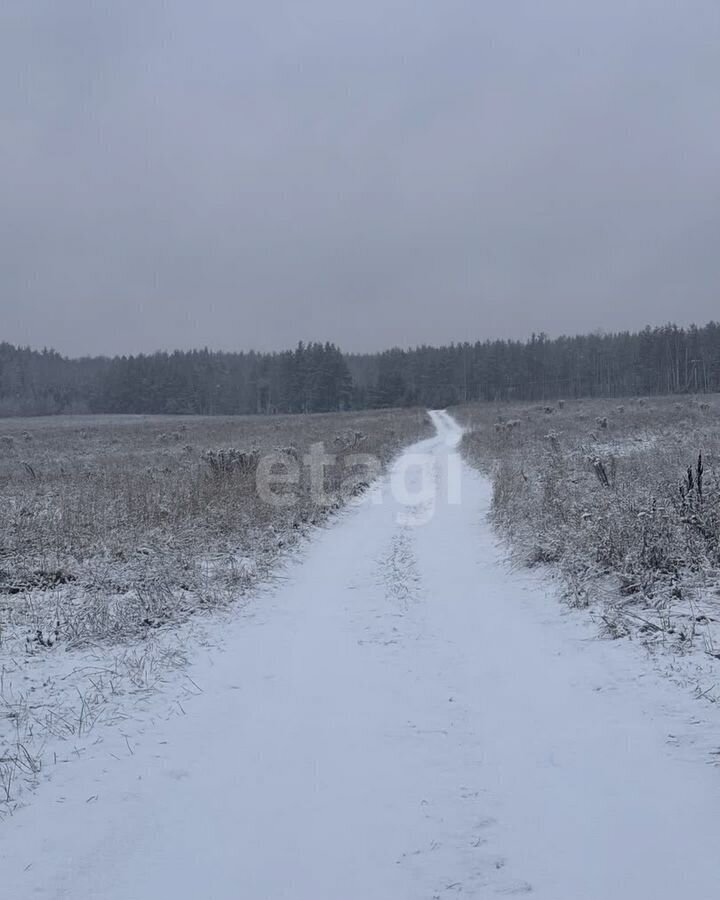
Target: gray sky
[{"x": 247, "y": 174}]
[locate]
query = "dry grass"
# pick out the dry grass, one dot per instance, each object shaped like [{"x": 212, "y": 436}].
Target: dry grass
[
  {"x": 113, "y": 524},
  {"x": 623, "y": 498},
  {"x": 116, "y": 530}
]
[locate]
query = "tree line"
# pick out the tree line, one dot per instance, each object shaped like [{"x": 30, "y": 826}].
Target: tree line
[{"x": 317, "y": 377}]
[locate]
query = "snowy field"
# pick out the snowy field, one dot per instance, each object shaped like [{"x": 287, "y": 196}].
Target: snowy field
[
  {"x": 622, "y": 501},
  {"x": 401, "y": 716},
  {"x": 114, "y": 530}
]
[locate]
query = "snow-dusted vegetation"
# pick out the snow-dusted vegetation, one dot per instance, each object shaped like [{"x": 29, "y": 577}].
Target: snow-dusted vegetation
[
  {"x": 115, "y": 530},
  {"x": 403, "y": 715},
  {"x": 623, "y": 497}
]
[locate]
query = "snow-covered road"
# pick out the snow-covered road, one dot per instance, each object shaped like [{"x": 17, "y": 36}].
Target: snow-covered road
[{"x": 403, "y": 718}]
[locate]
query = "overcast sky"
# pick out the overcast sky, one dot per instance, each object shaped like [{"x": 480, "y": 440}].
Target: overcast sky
[{"x": 248, "y": 174}]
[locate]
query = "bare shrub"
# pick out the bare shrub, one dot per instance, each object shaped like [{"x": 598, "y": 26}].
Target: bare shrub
[{"x": 228, "y": 462}]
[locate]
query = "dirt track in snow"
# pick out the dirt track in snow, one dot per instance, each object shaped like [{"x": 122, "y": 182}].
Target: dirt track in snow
[{"x": 403, "y": 718}]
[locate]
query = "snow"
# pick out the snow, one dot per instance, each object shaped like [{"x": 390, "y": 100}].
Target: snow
[{"x": 402, "y": 716}]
